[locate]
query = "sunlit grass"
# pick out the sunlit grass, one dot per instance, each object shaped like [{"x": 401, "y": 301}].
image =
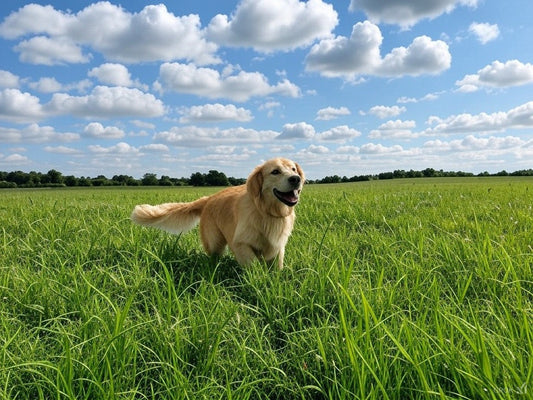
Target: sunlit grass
[{"x": 393, "y": 290}]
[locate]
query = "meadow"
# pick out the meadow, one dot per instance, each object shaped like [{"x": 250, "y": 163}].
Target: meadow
[{"x": 401, "y": 289}]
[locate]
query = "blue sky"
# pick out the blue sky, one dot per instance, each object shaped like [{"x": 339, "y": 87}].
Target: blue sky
[{"x": 346, "y": 87}]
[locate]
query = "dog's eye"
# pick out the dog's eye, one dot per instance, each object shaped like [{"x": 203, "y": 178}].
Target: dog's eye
[
  {"x": 276, "y": 172},
  {"x": 294, "y": 169}
]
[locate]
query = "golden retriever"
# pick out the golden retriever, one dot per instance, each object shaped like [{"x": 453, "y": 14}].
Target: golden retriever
[{"x": 255, "y": 219}]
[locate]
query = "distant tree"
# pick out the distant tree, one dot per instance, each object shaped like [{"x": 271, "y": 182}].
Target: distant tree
[
  {"x": 236, "y": 181},
  {"x": 386, "y": 175},
  {"x": 18, "y": 177},
  {"x": 71, "y": 180},
  {"x": 215, "y": 178},
  {"x": 165, "y": 181},
  {"x": 83, "y": 181},
  {"x": 100, "y": 180},
  {"x": 429, "y": 172},
  {"x": 399, "y": 173},
  {"x": 55, "y": 176},
  {"x": 149, "y": 180},
  {"x": 197, "y": 179}
]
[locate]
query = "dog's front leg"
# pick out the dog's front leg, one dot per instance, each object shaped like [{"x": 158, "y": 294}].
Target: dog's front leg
[
  {"x": 244, "y": 253},
  {"x": 281, "y": 256}
]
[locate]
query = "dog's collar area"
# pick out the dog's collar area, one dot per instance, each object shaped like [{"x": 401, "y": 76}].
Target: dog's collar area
[{"x": 289, "y": 198}]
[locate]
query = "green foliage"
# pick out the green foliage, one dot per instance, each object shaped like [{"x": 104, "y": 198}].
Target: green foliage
[{"x": 399, "y": 289}]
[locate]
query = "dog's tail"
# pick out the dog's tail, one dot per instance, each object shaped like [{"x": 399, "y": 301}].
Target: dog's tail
[{"x": 170, "y": 217}]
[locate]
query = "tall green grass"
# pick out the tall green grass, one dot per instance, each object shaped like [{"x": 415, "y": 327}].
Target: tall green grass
[{"x": 411, "y": 289}]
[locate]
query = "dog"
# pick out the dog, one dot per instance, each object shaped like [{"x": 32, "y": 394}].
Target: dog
[{"x": 255, "y": 219}]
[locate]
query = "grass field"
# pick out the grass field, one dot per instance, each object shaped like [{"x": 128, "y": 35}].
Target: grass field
[{"x": 404, "y": 289}]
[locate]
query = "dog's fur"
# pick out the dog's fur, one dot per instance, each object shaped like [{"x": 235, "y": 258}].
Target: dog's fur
[{"x": 254, "y": 220}]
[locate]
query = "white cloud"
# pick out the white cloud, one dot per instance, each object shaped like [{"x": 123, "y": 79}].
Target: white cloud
[
  {"x": 299, "y": 130},
  {"x": 153, "y": 34},
  {"x": 155, "y": 148},
  {"x": 61, "y": 150},
  {"x": 107, "y": 102},
  {"x": 497, "y": 75},
  {"x": 340, "y": 133},
  {"x": 8, "y": 80},
  {"x": 516, "y": 118},
  {"x": 97, "y": 130},
  {"x": 484, "y": 32},
  {"x": 194, "y": 136},
  {"x": 423, "y": 56},
  {"x": 143, "y": 124},
  {"x": 386, "y": 112},
  {"x": 34, "y": 133},
  {"x": 207, "y": 82},
  {"x": 120, "y": 148},
  {"x": 371, "y": 148},
  {"x": 394, "y": 130},
  {"x": 20, "y": 106},
  {"x": 270, "y": 25},
  {"x": 14, "y": 159},
  {"x": 46, "y": 85},
  {"x": 427, "y": 97},
  {"x": 471, "y": 143},
  {"x": 328, "y": 113},
  {"x": 215, "y": 113},
  {"x": 47, "y": 51},
  {"x": 406, "y": 13},
  {"x": 115, "y": 75},
  {"x": 360, "y": 55},
  {"x": 51, "y": 85}
]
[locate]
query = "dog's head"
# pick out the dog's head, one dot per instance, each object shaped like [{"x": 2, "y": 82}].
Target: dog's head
[{"x": 276, "y": 185}]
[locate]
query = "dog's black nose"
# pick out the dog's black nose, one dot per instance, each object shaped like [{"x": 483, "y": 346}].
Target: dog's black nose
[{"x": 294, "y": 180}]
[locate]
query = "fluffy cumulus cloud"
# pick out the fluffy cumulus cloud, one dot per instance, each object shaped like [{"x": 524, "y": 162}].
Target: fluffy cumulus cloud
[
  {"x": 517, "y": 118},
  {"x": 20, "y": 106},
  {"x": 47, "y": 51},
  {"x": 215, "y": 113},
  {"x": 386, "y": 112},
  {"x": 498, "y": 75},
  {"x": 152, "y": 34},
  {"x": 106, "y": 102},
  {"x": 484, "y": 32},
  {"x": 61, "y": 150},
  {"x": 208, "y": 82},
  {"x": 406, "y": 13},
  {"x": 114, "y": 75},
  {"x": 14, "y": 159},
  {"x": 397, "y": 129},
  {"x": 35, "y": 133},
  {"x": 8, "y": 80},
  {"x": 372, "y": 148},
  {"x": 194, "y": 136},
  {"x": 340, "y": 133},
  {"x": 269, "y": 25},
  {"x": 97, "y": 130},
  {"x": 360, "y": 55},
  {"x": 328, "y": 113},
  {"x": 299, "y": 130},
  {"x": 471, "y": 143},
  {"x": 121, "y": 148}
]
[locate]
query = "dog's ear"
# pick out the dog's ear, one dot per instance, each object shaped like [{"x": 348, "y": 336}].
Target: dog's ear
[
  {"x": 254, "y": 183},
  {"x": 300, "y": 172}
]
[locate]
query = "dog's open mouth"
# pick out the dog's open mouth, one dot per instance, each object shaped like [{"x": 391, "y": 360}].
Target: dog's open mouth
[{"x": 289, "y": 198}]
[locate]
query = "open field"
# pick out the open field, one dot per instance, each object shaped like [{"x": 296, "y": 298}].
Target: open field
[{"x": 403, "y": 289}]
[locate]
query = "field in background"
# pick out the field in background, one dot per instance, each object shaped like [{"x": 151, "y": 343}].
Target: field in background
[{"x": 404, "y": 289}]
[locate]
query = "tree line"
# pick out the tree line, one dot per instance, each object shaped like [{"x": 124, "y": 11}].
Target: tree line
[
  {"x": 53, "y": 178},
  {"x": 426, "y": 173}
]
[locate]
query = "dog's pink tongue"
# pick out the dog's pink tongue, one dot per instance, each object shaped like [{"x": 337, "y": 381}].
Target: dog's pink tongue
[{"x": 291, "y": 196}]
